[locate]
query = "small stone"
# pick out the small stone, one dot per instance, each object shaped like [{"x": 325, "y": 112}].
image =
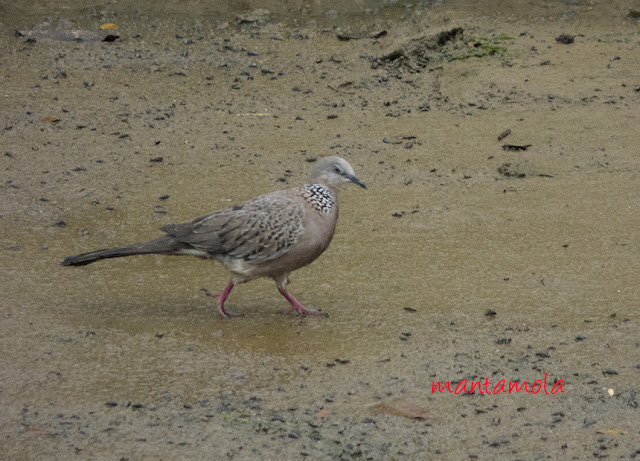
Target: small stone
[{"x": 565, "y": 39}]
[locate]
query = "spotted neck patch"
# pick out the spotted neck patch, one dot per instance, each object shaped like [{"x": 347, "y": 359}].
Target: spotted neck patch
[{"x": 319, "y": 197}]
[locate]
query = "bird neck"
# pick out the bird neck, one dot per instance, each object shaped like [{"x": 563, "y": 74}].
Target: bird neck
[{"x": 321, "y": 197}]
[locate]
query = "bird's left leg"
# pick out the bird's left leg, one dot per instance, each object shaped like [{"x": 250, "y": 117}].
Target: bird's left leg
[{"x": 221, "y": 298}]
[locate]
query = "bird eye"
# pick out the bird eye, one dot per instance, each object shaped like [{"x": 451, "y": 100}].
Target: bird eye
[{"x": 336, "y": 169}]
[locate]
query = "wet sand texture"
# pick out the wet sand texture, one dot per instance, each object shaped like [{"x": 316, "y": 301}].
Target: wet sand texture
[{"x": 497, "y": 240}]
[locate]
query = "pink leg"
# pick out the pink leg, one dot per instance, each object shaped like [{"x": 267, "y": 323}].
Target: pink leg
[
  {"x": 296, "y": 306},
  {"x": 221, "y": 298}
]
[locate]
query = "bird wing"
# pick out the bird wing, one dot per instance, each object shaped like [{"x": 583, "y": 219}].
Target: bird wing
[{"x": 258, "y": 230}]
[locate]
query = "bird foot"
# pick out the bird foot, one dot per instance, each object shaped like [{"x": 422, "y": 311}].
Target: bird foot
[
  {"x": 220, "y": 298},
  {"x": 297, "y": 307}
]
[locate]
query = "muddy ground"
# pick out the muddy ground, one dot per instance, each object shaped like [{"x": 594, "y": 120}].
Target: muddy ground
[{"x": 461, "y": 261}]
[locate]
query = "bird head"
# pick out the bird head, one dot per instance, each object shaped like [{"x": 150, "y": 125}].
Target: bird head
[{"x": 333, "y": 172}]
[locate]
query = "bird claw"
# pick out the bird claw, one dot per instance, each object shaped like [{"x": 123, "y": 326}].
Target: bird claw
[{"x": 208, "y": 293}]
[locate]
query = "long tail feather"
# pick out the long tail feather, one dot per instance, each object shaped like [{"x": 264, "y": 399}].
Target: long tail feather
[{"x": 162, "y": 245}]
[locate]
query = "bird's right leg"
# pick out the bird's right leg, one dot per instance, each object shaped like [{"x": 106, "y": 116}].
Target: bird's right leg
[
  {"x": 221, "y": 298},
  {"x": 281, "y": 282}
]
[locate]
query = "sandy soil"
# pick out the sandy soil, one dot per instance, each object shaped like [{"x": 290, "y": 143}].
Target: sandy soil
[{"x": 461, "y": 261}]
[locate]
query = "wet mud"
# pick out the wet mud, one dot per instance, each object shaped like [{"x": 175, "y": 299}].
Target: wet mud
[{"x": 496, "y": 244}]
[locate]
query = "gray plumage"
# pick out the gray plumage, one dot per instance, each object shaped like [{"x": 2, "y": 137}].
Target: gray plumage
[{"x": 268, "y": 236}]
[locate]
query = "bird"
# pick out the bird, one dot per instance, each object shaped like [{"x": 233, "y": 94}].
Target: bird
[{"x": 268, "y": 236}]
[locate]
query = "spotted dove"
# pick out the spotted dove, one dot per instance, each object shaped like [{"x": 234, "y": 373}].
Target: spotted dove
[{"x": 268, "y": 236}]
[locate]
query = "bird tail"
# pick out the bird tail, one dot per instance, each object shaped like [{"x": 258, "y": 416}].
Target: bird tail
[{"x": 162, "y": 245}]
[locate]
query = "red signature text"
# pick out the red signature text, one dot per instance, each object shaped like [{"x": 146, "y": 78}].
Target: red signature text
[{"x": 500, "y": 387}]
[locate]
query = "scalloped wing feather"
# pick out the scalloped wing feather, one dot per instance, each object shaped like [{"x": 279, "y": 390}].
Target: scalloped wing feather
[{"x": 259, "y": 230}]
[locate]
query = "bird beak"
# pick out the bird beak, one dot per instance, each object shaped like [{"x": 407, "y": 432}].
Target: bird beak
[{"x": 355, "y": 180}]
